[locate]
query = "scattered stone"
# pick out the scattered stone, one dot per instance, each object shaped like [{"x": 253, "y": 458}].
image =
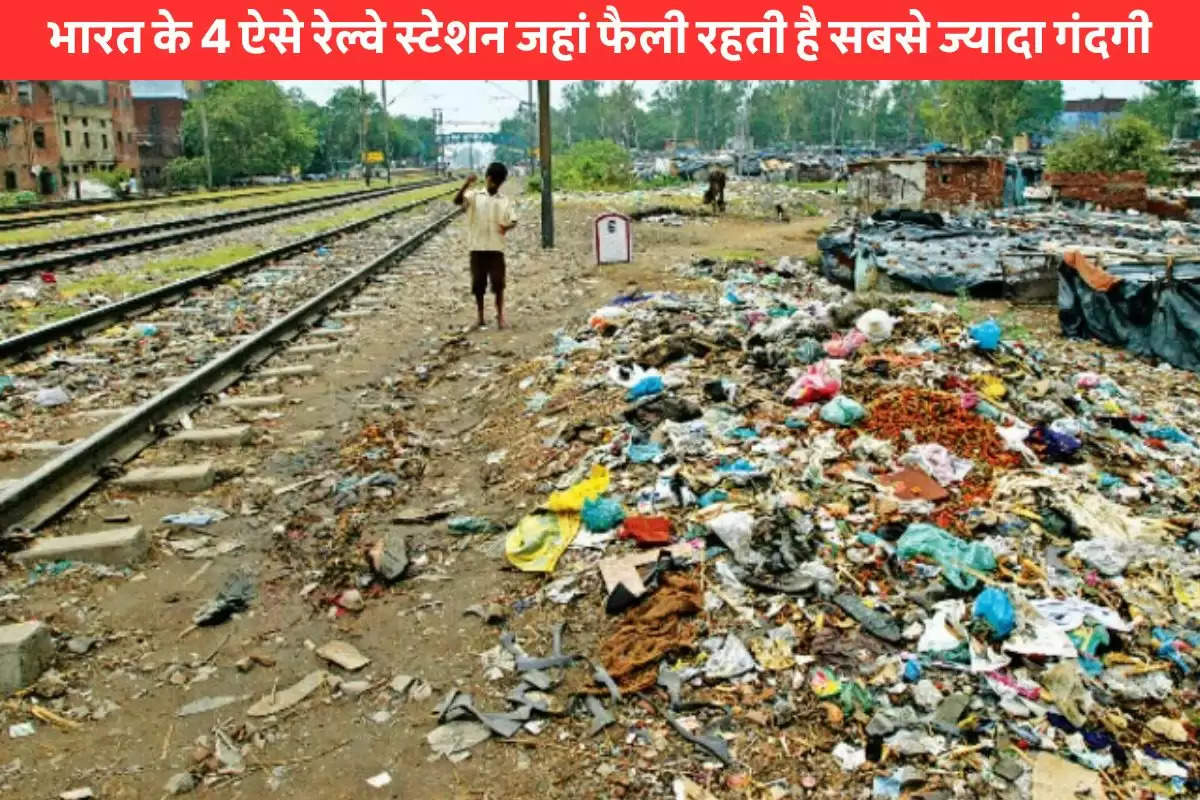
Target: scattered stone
[
  {"x": 180, "y": 783},
  {"x": 344, "y": 654}
]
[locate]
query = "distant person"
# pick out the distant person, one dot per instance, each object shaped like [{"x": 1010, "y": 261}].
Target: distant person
[
  {"x": 715, "y": 195},
  {"x": 489, "y": 219}
]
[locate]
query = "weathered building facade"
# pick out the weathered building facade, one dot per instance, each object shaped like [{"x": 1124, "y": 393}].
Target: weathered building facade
[
  {"x": 52, "y": 133},
  {"x": 936, "y": 182},
  {"x": 30, "y": 160},
  {"x": 158, "y": 109}
]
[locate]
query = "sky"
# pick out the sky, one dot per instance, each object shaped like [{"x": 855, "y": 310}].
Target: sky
[{"x": 480, "y": 105}]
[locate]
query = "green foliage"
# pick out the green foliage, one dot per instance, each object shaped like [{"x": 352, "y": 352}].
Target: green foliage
[
  {"x": 594, "y": 165},
  {"x": 968, "y": 113},
  {"x": 1129, "y": 143},
  {"x": 254, "y": 129},
  {"x": 660, "y": 182},
  {"x": 533, "y": 184},
  {"x": 113, "y": 179},
  {"x": 185, "y": 173},
  {"x": 13, "y": 199},
  {"x": 1170, "y": 107}
]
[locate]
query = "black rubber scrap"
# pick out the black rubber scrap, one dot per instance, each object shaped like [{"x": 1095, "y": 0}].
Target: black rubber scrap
[{"x": 874, "y": 622}]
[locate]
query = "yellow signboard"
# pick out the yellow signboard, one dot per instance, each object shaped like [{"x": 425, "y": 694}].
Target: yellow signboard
[{"x": 374, "y": 157}]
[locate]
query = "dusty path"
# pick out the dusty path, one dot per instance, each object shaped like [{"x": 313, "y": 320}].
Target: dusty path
[{"x": 435, "y": 397}]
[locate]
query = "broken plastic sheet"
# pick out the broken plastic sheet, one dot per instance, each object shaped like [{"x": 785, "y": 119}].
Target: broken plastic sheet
[
  {"x": 539, "y": 540},
  {"x": 1142, "y": 312}
]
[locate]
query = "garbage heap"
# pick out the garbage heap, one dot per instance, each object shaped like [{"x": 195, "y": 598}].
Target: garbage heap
[{"x": 874, "y": 550}]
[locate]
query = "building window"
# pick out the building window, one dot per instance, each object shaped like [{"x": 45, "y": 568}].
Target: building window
[
  {"x": 39, "y": 137},
  {"x": 945, "y": 178},
  {"x": 67, "y": 138},
  {"x": 3, "y": 134},
  {"x": 101, "y": 123},
  {"x": 87, "y": 140},
  {"x": 3, "y": 87},
  {"x": 10, "y": 180},
  {"x": 25, "y": 91},
  {"x": 84, "y": 121},
  {"x": 104, "y": 141},
  {"x": 75, "y": 168},
  {"x": 66, "y": 120}
]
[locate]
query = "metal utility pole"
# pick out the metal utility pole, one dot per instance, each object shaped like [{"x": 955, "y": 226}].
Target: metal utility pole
[
  {"x": 437, "y": 140},
  {"x": 533, "y": 132},
  {"x": 208, "y": 182},
  {"x": 544, "y": 152},
  {"x": 362, "y": 131},
  {"x": 387, "y": 132}
]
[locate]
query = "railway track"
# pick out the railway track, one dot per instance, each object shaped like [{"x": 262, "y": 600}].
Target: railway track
[
  {"x": 47, "y": 213},
  {"x": 25, "y": 344},
  {"x": 91, "y": 247},
  {"x": 175, "y": 360}
]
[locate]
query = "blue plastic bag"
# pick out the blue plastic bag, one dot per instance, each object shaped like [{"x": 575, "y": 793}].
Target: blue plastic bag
[
  {"x": 601, "y": 514},
  {"x": 842, "y": 410},
  {"x": 651, "y": 384},
  {"x": 643, "y": 453},
  {"x": 950, "y": 552},
  {"x": 986, "y": 334},
  {"x": 712, "y": 496},
  {"x": 994, "y": 607}
]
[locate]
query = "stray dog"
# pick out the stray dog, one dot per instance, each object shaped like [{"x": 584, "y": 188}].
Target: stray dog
[{"x": 715, "y": 195}]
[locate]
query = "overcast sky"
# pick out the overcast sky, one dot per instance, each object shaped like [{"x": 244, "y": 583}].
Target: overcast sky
[{"x": 475, "y": 105}]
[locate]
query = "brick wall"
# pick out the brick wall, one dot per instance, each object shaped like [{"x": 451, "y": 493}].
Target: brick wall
[
  {"x": 1110, "y": 190},
  {"x": 30, "y": 144},
  {"x": 961, "y": 181}
]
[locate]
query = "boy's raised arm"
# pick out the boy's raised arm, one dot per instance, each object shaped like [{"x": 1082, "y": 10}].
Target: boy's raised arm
[{"x": 460, "y": 198}]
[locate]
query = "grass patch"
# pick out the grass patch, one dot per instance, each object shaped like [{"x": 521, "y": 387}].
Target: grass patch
[
  {"x": 814, "y": 186},
  {"x": 737, "y": 255},
  {"x": 157, "y": 272},
  {"x": 325, "y": 223}
]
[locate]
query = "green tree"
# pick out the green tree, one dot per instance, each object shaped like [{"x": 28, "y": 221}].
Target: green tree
[
  {"x": 254, "y": 129},
  {"x": 594, "y": 165},
  {"x": 1129, "y": 143},
  {"x": 1170, "y": 106},
  {"x": 968, "y": 113}
]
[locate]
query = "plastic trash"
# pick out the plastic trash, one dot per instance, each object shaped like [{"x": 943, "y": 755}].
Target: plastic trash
[
  {"x": 818, "y": 383},
  {"x": 470, "y": 525},
  {"x": 608, "y": 317},
  {"x": 809, "y": 351},
  {"x": 647, "y": 530},
  {"x": 234, "y": 596},
  {"x": 591, "y": 487},
  {"x": 197, "y": 517},
  {"x": 844, "y": 411},
  {"x": 734, "y": 529},
  {"x": 951, "y": 553},
  {"x": 712, "y": 496},
  {"x": 845, "y": 346},
  {"x": 49, "y": 398},
  {"x": 1058, "y": 446},
  {"x": 538, "y": 541},
  {"x": 647, "y": 386},
  {"x": 877, "y": 325},
  {"x": 986, "y": 334},
  {"x": 994, "y": 607},
  {"x": 602, "y": 514},
  {"x": 644, "y": 453}
]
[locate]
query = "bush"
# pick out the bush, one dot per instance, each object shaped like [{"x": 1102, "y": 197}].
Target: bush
[
  {"x": 185, "y": 173},
  {"x": 22, "y": 198},
  {"x": 112, "y": 179},
  {"x": 596, "y": 165},
  {"x": 660, "y": 182},
  {"x": 1129, "y": 143}
]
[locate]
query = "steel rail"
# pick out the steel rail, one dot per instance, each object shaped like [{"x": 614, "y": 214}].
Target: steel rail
[
  {"x": 50, "y": 263},
  {"x": 61, "y": 482},
  {"x": 24, "y": 344},
  {"x": 26, "y": 249}
]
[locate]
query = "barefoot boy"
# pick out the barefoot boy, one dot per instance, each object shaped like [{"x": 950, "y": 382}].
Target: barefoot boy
[{"x": 489, "y": 219}]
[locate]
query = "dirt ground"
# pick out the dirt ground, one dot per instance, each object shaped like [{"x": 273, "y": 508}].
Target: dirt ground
[
  {"x": 440, "y": 401},
  {"x": 412, "y": 367}
]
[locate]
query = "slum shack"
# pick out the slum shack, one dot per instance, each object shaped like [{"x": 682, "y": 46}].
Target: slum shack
[
  {"x": 1148, "y": 305},
  {"x": 1011, "y": 253},
  {"x": 932, "y": 182},
  {"x": 1123, "y": 190}
]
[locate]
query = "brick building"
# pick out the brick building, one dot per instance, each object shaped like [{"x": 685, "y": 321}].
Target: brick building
[
  {"x": 938, "y": 182},
  {"x": 52, "y": 133},
  {"x": 30, "y": 159},
  {"x": 158, "y": 114}
]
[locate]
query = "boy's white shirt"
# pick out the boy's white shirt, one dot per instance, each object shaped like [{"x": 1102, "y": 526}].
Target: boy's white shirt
[{"x": 485, "y": 214}]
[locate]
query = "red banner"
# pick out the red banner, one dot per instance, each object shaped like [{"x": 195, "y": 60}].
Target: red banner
[{"x": 640, "y": 39}]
